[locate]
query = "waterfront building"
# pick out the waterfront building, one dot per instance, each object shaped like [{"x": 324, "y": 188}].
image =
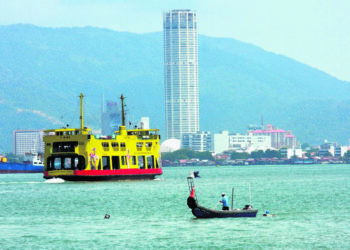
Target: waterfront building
[
  {"x": 279, "y": 137},
  {"x": 339, "y": 151},
  {"x": 327, "y": 148},
  {"x": 181, "y": 73},
  {"x": 237, "y": 142},
  {"x": 290, "y": 141},
  {"x": 111, "y": 117},
  {"x": 200, "y": 141},
  {"x": 290, "y": 152},
  {"x": 220, "y": 142},
  {"x": 27, "y": 141},
  {"x": 332, "y": 149},
  {"x": 249, "y": 143}
]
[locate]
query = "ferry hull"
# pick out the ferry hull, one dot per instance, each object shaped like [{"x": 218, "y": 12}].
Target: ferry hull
[{"x": 104, "y": 175}]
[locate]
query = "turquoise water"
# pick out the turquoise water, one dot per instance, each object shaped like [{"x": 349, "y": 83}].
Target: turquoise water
[{"x": 311, "y": 204}]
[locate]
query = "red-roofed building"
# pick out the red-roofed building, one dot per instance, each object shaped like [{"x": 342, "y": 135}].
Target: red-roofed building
[{"x": 279, "y": 137}]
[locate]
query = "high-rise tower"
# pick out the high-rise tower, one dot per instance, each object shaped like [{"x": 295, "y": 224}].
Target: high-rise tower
[{"x": 181, "y": 73}]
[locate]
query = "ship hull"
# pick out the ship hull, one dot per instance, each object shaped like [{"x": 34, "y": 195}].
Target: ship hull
[
  {"x": 104, "y": 175},
  {"x": 16, "y": 168},
  {"x": 104, "y": 178}
]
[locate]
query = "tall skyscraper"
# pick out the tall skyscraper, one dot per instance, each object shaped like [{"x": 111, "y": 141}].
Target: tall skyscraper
[{"x": 181, "y": 73}]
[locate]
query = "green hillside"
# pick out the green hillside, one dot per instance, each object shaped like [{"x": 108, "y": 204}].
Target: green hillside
[{"x": 43, "y": 70}]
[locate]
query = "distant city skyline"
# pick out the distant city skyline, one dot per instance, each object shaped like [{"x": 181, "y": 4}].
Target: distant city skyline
[{"x": 312, "y": 32}]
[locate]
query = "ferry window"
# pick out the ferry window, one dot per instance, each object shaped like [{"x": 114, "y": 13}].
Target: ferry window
[
  {"x": 75, "y": 162},
  {"x": 50, "y": 163},
  {"x": 133, "y": 160},
  {"x": 105, "y": 144},
  {"x": 122, "y": 146},
  {"x": 141, "y": 162},
  {"x": 123, "y": 160},
  {"x": 105, "y": 163},
  {"x": 67, "y": 163},
  {"x": 150, "y": 161},
  {"x": 57, "y": 163},
  {"x": 79, "y": 163},
  {"x": 64, "y": 146},
  {"x": 157, "y": 165},
  {"x": 115, "y": 145},
  {"x": 148, "y": 144},
  {"x": 115, "y": 162}
]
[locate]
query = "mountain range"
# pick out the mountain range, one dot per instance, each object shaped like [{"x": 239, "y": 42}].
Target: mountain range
[{"x": 43, "y": 70}]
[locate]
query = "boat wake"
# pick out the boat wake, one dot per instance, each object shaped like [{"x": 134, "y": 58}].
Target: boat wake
[
  {"x": 17, "y": 182},
  {"x": 54, "y": 180}
]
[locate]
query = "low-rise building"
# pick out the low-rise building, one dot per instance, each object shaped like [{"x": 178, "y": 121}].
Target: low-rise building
[
  {"x": 249, "y": 143},
  {"x": 220, "y": 142},
  {"x": 340, "y": 151},
  {"x": 290, "y": 152},
  {"x": 327, "y": 148},
  {"x": 200, "y": 141}
]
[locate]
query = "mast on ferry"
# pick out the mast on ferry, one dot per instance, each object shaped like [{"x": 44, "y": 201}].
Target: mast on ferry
[
  {"x": 81, "y": 111},
  {"x": 123, "y": 114}
]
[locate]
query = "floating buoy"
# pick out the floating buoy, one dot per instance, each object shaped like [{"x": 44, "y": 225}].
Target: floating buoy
[{"x": 107, "y": 216}]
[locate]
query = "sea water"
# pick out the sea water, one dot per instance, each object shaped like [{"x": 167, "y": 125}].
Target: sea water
[{"x": 311, "y": 204}]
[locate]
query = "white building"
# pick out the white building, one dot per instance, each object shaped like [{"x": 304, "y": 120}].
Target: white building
[
  {"x": 27, "y": 141},
  {"x": 181, "y": 73},
  {"x": 340, "y": 151},
  {"x": 200, "y": 141},
  {"x": 220, "y": 142},
  {"x": 237, "y": 142},
  {"x": 144, "y": 122},
  {"x": 249, "y": 143},
  {"x": 327, "y": 148},
  {"x": 289, "y": 152}
]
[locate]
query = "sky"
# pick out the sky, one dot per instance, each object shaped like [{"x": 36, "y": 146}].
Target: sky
[{"x": 314, "y": 32}]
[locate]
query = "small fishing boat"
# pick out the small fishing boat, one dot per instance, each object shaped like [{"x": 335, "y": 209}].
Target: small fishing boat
[{"x": 203, "y": 212}]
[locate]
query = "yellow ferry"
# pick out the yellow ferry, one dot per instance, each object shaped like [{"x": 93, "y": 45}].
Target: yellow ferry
[{"x": 76, "y": 154}]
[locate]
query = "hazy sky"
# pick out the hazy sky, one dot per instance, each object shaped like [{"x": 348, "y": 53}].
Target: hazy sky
[{"x": 315, "y": 32}]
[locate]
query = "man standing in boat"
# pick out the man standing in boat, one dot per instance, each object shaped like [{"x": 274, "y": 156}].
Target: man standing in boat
[{"x": 224, "y": 202}]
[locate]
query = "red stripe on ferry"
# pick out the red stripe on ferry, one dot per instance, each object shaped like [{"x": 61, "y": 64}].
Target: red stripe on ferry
[{"x": 119, "y": 172}]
